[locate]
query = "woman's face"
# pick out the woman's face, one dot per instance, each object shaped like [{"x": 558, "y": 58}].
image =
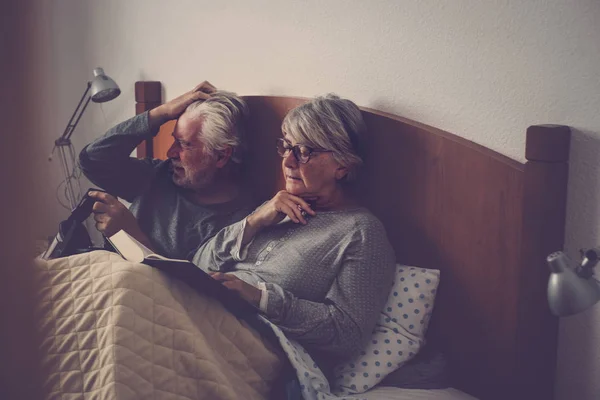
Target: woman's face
[{"x": 313, "y": 180}]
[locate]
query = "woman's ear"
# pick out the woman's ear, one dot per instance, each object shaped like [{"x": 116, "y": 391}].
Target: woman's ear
[
  {"x": 223, "y": 156},
  {"x": 340, "y": 173}
]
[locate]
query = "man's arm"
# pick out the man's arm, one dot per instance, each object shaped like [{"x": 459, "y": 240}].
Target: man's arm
[{"x": 107, "y": 162}]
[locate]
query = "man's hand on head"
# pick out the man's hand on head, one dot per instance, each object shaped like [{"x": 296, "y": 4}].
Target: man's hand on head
[{"x": 174, "y": 108}]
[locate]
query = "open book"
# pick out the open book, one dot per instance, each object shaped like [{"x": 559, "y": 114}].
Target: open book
[{"x": 132, "y": 250}]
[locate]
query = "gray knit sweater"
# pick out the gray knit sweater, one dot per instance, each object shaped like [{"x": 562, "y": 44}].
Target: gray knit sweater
[
  {"x": 175, "y": 225},
  {"x": 327, "y": 281}
]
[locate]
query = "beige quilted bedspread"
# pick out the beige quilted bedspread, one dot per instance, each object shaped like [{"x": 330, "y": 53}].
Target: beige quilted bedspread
[{"x": 113, "y": 329}]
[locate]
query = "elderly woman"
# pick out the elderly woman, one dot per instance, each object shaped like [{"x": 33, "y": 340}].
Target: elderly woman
[{"x": 311, "y": 259}]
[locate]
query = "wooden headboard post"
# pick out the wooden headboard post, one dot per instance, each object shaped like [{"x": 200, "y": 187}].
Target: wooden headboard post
[
  {"x": 544, "y": 212},
  {"x": 147, "y": 97}
]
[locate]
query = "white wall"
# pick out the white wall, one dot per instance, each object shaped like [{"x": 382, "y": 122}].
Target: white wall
[{"x": 482, "y": 69}]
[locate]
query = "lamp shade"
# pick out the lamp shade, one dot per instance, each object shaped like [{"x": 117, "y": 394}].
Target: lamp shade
[
  {"x": 102, "y": 87},
  {"x": 568, "y": 293}
]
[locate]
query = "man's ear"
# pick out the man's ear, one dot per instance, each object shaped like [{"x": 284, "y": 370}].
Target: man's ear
[
  {"x": 340, "y": 173},
  {"x": 223, "y": 156}
]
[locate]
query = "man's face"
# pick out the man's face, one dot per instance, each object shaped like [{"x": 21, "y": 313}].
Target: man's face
[{"x": 193, "y": 166}]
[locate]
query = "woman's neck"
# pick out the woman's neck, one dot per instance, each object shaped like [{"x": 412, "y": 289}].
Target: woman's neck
[{"x": 337, "y": 200}]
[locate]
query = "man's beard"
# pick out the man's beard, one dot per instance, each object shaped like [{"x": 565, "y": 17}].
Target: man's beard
[{"x": 193, "y": 181}]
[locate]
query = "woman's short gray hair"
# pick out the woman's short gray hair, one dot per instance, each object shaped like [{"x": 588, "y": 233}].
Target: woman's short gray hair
[
  {"x": 329, "y": 123},
  {"x": 224, "y": 122}
]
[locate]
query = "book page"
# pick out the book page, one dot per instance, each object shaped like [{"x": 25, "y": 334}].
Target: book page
[
  {"x": 132, "y": 250},
  {"x": 154, "y": 256},
  {"x": 128, "y": 247}
]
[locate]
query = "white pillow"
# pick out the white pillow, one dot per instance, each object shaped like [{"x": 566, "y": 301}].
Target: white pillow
[{"x": 398, "y": 334}]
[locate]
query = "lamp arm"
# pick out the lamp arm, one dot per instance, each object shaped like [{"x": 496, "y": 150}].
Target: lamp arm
[
  {"x": 102, "y": 89},
  {"x": 65, "y": 138}
]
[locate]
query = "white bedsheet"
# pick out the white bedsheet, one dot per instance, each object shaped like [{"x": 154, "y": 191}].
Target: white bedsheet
[{"x": 314, "y": 386}]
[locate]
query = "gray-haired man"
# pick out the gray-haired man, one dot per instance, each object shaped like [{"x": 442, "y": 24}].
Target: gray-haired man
[{"x": 179, "y": 203}]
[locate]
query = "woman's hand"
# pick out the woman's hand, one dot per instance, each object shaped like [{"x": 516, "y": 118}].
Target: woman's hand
[
  {"x": 277, "y": 208},
  {"x": 174, "y": 108},
  {"x": 243, "y": 289}
]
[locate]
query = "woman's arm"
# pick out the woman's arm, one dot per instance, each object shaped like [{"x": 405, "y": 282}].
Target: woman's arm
[
  {"x": 223, "y": 250},
  {"x": 228, "y": 246},
  {"x": 274, "y": 211}
]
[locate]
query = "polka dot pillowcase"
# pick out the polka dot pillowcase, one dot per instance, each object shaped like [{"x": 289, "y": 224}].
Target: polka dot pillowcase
[{"x": 398, "y": 334}]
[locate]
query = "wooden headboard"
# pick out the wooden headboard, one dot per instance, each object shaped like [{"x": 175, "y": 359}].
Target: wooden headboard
[{"x": 486, "y": 221}]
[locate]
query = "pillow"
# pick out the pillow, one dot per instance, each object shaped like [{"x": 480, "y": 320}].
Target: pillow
[
  {"x": 398, "y": 334},
  {"x": 427, "y": 370}
]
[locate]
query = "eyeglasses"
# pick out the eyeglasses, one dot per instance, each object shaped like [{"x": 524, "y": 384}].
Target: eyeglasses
[{"x": 301, "y": 152}]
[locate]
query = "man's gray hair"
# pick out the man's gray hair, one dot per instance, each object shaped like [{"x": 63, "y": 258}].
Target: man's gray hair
[
  {"x": 329, "y": 123},
  {"x": 224, "y": 117}
]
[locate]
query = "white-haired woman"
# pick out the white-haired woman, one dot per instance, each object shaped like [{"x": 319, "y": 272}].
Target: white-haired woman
[{"x": 311, "y": 259}]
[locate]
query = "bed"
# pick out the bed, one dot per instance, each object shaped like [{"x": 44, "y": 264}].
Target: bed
[{"x": 485, "y": 221}]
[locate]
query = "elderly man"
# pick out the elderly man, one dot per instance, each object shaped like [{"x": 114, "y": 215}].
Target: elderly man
[{"x": 179, "y": 203}]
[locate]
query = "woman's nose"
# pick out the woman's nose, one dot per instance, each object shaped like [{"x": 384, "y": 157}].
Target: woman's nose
[{"x": 289, "y": 160}]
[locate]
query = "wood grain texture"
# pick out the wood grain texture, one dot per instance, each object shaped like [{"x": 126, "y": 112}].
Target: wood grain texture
[
  {"x": 453, "y": 206},
  {"x": 544, "y": 215},
  {"x": 147, "y": 97},
  {"x": 148, "y": 92},
  {"x": 486, "y": 221},
  {"x": 548, "y": 143},
  {"x": 163, "y": 140}
]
